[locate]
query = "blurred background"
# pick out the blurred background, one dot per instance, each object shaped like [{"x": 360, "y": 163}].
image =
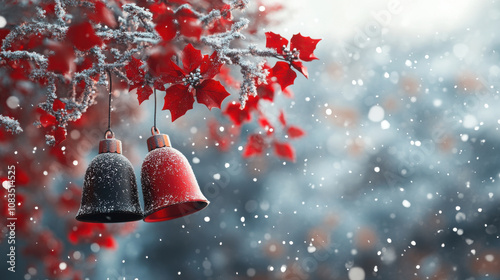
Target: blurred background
[{"x": 396, "y": 177}]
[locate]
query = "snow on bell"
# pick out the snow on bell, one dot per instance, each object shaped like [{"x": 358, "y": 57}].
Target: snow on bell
[
  {"x": 110, "y": 192},
  {"x": 169, "y": 186}
]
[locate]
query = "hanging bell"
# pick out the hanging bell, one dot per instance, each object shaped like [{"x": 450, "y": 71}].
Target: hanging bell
[
  {"x": 110, "y": 192},
  {"x": 169, "y": 186}
]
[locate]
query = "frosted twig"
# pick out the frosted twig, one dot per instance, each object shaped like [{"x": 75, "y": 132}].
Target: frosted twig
[{"x": 10, "y": 124}]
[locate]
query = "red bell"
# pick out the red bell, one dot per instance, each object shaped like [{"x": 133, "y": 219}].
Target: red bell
[{"x": 169, "y": 186}]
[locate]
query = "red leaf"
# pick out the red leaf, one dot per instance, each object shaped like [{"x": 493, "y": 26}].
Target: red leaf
[
  {"x": 135, "y": 73},
  {"x": 264, "y": 123},
  {"x": 275, "y": 41},
  {"x": 82, "y": 36},
  {"x": 191, "y": 58},
  {"x": 60, "y": 135},
  {"x": 266, "y": 91},
  {"x": 300, "y": 67},
  {"x": 295, "y": 132},
  {"x": 178, "y": 99},
  {"x": 62, "y": 61},
  {"x": 165, "y": 25},
  {"x": 3, "y": 33},
  {"x": 282, "y": 118},
  {"x": 189, "y": 25},
  {"x": 158, "y": 9},
  {"x": 284, "y": 150},
  {"x": 159, "y": 61},
  {"x": 102, "y": 14},
  {"x": 255, "y": 145},
  {"x": 284, "y": 74},
  {"x": 288, "y": 92},
  {"x": 47, "y": 120},
  {"x": 211, "y": 93},
  {"x": 58, "y": 105},
  {"x": 237, "y": 115},
  {"x": 143, "y": 93},
  {"x": 210, "y": 66},
  {"x": 305, "y": 45}
]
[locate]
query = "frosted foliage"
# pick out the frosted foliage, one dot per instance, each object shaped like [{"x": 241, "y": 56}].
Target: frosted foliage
[
  {"x": 10, "y": 124},
  {"x": 110, "y": 186},
  {"x": 136, "y": 36}
]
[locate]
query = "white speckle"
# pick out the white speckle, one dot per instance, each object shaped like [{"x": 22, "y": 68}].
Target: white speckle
[
  {"x": 311, "y": 249},
  {"x": 406, "y": 203},
  {"x": 12, "y": 101},
  {"x": 464, "y": 137},
  {"x": 216, "y": 176},
  {"x": 196, "y": 160},
  {"x": 437, "y": 102},
  {"x": 489, "y": 258},
  {"x": 206, "y": 219},
  {"x": 385, "y": 124},
  {"x": 63, "y": 266},
  {"x": 356, "y": 273},
  {"x": 94, "y": 247},
  {"x": 261, "y": 8},
  {"x": 283, "y": 268},
  {"x": 408, "y": 63},
  {"x": 242, "y": 219},
  {"x": 469, "y": 121},
  {"x": 3, "y": 22},
  {"x": 376, "y": 169},
  {"x": 328, "y": 111},
  {"x": 75, "y": 162},
  {"x": 376, "y": 113}
]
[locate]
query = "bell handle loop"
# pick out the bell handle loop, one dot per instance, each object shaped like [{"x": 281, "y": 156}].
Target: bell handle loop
[
  {"x": 155, "y": 131},
  {"x": 109, "y": 134}
]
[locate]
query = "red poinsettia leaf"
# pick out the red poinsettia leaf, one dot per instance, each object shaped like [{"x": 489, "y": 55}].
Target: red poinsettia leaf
[
  {"x": 62, "y": 60},
  {"x": 255, "y": 145},
  {"x": 47, "y": 119},
  {"x": 189, "y": 25},
  {"x": 210, "y": 66},
  {"x": 282, "y": 118},
  {"x": 60, "y": 135},
  {"x": 305, "y": 45},
  {"x": 143, "y": 93},
  {"x": 3, "y": 33},
  {"x": 101, "y": 14},
  {"x": 159, "y": 60},
  {"x": 266, "y": 91},
  {"x": 295, "y": 132},
  {"x": 191, "y": 58},
  {"x": 135, "y": 73},
  {"x": 84, "y": 64},
  {"x": 300, "y": 67},
  {"x": 165, "y": 25},
  {"x": 275, "y": 41},
  {"x": 158, "y": 9},
  {"x": 108, "y": 242},
  {"x": 284, "y": 74},
  {"x": 58, "y": 105},
  {"x": 284, "y": 150},
  {"x": 287, "y": 92},
  {"x": 211, "y": 93},
  {"x": 83, "y": 36},
  {"x": 178, "y": 99},
  {"x": 236, "y": 114},
  {"x": 264, "y": 123}
]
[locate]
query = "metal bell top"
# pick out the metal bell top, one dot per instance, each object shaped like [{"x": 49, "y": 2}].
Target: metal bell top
[
  {"x": 158, "y": 140},
  {"x": 110, "y": 144}
]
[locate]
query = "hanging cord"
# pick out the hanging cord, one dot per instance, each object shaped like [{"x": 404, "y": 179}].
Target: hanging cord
[
  {"x": 109, "y": 132},
  {"x": 154, "y": 129}
]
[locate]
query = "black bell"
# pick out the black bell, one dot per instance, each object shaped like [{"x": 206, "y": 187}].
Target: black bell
[{"x": 110, "y": 189}]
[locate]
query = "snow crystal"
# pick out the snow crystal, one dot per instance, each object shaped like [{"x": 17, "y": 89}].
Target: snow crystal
[
  {"x": 406, "y": 203},
  {"x": 356, "y": 273},
  {"x": 376, "y": 113}
]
